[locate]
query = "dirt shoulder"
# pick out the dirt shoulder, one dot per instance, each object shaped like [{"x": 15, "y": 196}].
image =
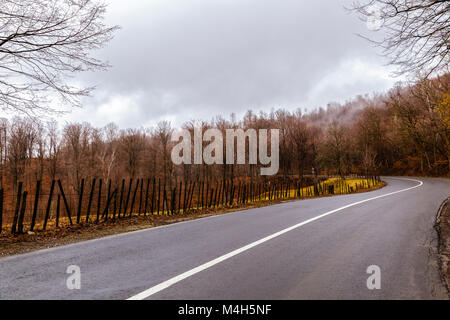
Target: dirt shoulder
[
  {"x": 11, "y": 245},
  {"x": 443, "y": 229}
]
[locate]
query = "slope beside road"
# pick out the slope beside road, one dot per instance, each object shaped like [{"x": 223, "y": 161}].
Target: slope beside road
[{"x": 317, "y": 248}]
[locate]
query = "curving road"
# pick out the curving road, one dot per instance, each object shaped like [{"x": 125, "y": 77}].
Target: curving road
[{"x": 310, "y": 249}]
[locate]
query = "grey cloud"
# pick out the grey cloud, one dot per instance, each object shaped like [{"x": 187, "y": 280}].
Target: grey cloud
[{"x": 194, "y": 59}]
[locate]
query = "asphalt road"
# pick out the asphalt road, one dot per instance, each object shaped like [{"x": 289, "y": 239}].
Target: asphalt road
[{"x": 310, "y": 249}]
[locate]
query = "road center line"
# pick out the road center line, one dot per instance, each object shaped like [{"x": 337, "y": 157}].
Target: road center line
[{"x": 164, "y": 285}]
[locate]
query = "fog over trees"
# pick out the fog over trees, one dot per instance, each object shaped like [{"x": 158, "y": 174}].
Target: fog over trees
[{"x": 406, "y": 131}]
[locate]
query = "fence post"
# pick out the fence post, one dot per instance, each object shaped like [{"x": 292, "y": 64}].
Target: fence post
[
  {"x": 247, "y": 192},
  {"x": 239, "y": 193},
  {"x": 108, "y": 201},
  {"x": 198, "y": 195},
  {"x": 69, "y": 214},
  {"x": 211, "y": 197},
  {"x": 165, "y": 207},
  {"x": 225, "y": 187},
  {"x": 232, "y": 193},
  {"x": 140, "y": 196},
  {"x": 49, "y": 203},
  {"x": 173, "y": 199},
  {"x": 272, "y": 191},
  {"x": 159, "y": 195},
  {"x": 91, "y": 195},
  {"x": 223, "y": 193},
  {"x": 16, "y": 211},
  {"x": 153, "y": 194},
  {"x": 207, "y": 195},
  {"x": 146, "y": 197},
  {"x": 115, "y": 206},
  {"x": 22, "y": 213},
  {"x": 36, "y": 203},
  {"x": 248, "y": 195},
  {"x": 57, "y": 210},
  {"x": 184, "y": 197},
  {"x": 187, "y": 189},
  {"x": 275, "y": 190},
  {"x": 179, "y": 197},
  {"x": 80, "y": 201},
  {"x": 99, "y": 199},
  {"x": 259, "y": 191},
  {"x": 121, "y": 198},
  {"x": 134, "y": 197},
  {"x": 205, "y": 191},
  {"x": 128, "y": 198},
  {"x": 109, "y": 193},
  {"x": 217, "y": 194},
  {"x": 190, "y": 198}
]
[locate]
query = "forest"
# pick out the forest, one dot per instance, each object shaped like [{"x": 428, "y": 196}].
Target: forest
[
  {"x": 405, "y": 131},
  {"x": 95, "y": 174}
]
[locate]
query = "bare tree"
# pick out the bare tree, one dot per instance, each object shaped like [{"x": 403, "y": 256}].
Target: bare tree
[
  {"x": 417, "y": 33},
  {"x": 131, "y": 149},
  {"x": 299, "y": 136},
  {"x": 108, "y": 156},
  {"x": 41, "y": 147},
  {"x": 282, "y": 117},
  {"x": 76, "y": 137},
  {"x": 222, "y": 125},
  {"x": 96, "y": 151},
  {"x": 151, "y": 152},
  {"x": 3, "y": 146},
  {"x": 20, "y": 147},
  {"x": 336, "y": 151},
  {"x": 44, "y": 42},
  {"x": 163, "y": 133}
]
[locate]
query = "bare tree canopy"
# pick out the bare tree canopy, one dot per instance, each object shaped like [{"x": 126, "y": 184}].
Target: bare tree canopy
[
  {"x": 42, "y": 44},
  {"x": 417, "y": 33}
]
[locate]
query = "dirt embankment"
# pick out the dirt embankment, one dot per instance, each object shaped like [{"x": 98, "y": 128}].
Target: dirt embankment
[{"x": 443, "y": 228}]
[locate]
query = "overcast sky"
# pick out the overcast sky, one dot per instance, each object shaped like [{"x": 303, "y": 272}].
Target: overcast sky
[{"x": 193, "y": 59}]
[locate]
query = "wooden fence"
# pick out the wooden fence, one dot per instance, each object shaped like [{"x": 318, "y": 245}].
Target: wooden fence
[{"x": 98, "y": 201}]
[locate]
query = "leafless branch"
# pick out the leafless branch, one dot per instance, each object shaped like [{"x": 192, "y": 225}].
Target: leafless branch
[
  {"x": 43, "y": 43},
  {"x": 416, "y": 33}
]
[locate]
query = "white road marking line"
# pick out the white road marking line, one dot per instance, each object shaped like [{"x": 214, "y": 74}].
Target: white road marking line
[{"x": 164, "y": 285}]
